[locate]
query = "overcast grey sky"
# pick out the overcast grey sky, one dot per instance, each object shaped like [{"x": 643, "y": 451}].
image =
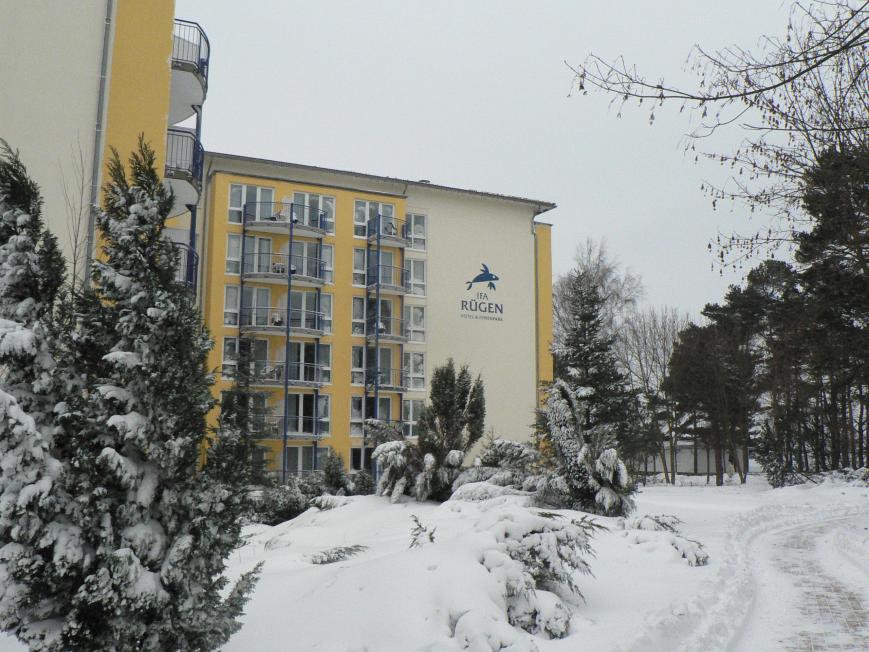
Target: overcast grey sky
[{"x": 475, "y": 94}]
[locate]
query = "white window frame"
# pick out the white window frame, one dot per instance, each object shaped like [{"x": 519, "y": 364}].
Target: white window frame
[
  {"x": 325, "y": 362},
  {"x": 255, "y": 308},
  {"x": 357, "y": 422},
  {"x": 328, "y": 263},
  {"x": 410, "y": 416},
  {"x": 233, "y": 264},
  {"x": 417, "y": 287},
  {"x": 359, "y": 271},
  {"x": 357, "y": 225},
  {"x": 240, "y": 209},
  {"x": 327, "y": 298},
  {"x": 322, "y": 200},
  {"x": 231, "y": 309},
  {"x": 226, "y": 362},
  {"x": 324, "y": 414},
  {"x": 359, "y": 372},
  {"x": 417, "y": 243},
  {"x": 357, "y": 322},
  {"x": 372, "y": 209},
  {"x": 408, "y": 365},
  {"x": 412, "y": 330}
]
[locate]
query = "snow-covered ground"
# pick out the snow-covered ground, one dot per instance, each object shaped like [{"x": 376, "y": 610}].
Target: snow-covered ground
[{"x": 788, "y": 570}]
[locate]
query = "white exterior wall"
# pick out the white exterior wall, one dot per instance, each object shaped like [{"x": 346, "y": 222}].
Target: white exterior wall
[
  {"x": 465, "y": 232},
  {"x": 49, "y": 86}
]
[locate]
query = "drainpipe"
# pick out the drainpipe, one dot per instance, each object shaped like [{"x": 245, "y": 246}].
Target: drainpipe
[{"x": 98, "y": 139}]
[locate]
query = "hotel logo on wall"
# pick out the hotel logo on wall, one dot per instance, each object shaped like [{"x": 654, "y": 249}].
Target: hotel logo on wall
[{"x": 481, "y": 305}]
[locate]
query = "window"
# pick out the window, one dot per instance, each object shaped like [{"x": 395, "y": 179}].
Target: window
[
  {"x": 326, "y": 309},
  {"x": 357, "y": 455},
  {"x": 414, "y": 323},
  {"x": 357, "y": 365},
  {"x": 414, "y": 367},
  {"x": 359, "y": 267},
  {"x": 384, "y": 412},
  {"x": 301, "y": 458},
  {"x": 307, "y": 260},
  {"x": 410, "y": 411},
  {"x": 230, "y": 357},
  {"x": 230, "y": 305},
  {"x": 416, "y": 231},
  {"x": 255, "y": 306},
  {"x": 366, "y": 211},
  {"x": 260, "y": 202},
  {"x": 308, "y": 208},
  {"x": 233, "y": 253},
  {"x": 324, "y": 413},
  {"x": 324, "y": 357},
  {"x": 358, "y": 321},
  {"x": 416, "y": 276},
  {"x": 328, "y": 256},
  {"x": 257, "y": 255},
  {"x": 357, "y": 416}
]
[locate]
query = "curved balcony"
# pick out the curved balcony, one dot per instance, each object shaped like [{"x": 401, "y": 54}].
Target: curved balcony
[
  {"x": 184, "y": 157},
  {"x": 392, "y": 280},
  {"x": 191, "y": 52},
  {"x": 273, "y": 320},
  {"x": 276, "y": 268},
  {"x": 388, "y": 380},
  {"x": 188, "y": 265},
  {"x": 388, "y": 329},
  {"x": 392, "y": 231},
  {"x": 275, "y": 217},
  {"x": 301, "y": 374},
  {"x": 271, "y": 426}
]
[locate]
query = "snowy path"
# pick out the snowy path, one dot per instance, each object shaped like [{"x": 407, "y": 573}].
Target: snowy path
[{"x": 809, "y": 594}]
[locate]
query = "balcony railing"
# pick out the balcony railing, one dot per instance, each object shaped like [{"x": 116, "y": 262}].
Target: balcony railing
[
  {"x": 388, "y": 328},
  {"x": 190, "y": 48},
  {"x": 275, "y": 318},
  {"x": 188, "y": 265},
  {"x": 389, "y": 277},
  {"x": 278, "y": 265},
  {"x": 282, "y": 213},
  {"x": 390, "y": 229},
  {"x": 386, "y": 378},
  {"x": 184, "y": 156},
  {"x": 271, "y": 426},
  {"x": 300, "y": 373}
]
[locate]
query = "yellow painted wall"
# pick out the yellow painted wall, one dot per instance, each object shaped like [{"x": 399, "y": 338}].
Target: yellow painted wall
[
  {"x": 543, "y": 263},
  {"x": 141, "y": 75},
  {"x": 342, "y": 290}
]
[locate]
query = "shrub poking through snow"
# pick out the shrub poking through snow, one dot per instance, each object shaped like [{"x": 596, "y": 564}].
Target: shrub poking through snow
[
  {"x": 644, "y": 526},
  {"x": 339, "y": 553},
  {"x": 399, "y": 462},
  {"x": 361, "y": 483},
  {"x": 326, "y": 502},
  {"x": 419, "y": 533},
  {"x": 334, "y": 475},
  {"x": 538, "y": 556},
  {"x": 280, "y": 503}
]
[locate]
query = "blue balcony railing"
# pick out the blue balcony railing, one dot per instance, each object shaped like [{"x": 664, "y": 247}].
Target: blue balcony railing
[
  {"x": 388, "y": 277},
  {"x": 275, "y": 318},
  {"x": 281, "y": 213},
  {"x": 184, "y": 156},
  {"x": 188, "y": 265},
  {"x": 389, "y": 228},
  {"x": 190, "y": 48}
]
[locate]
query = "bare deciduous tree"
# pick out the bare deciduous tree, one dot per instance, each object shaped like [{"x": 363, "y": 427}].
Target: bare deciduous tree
[{"x": 76, "y": 197}]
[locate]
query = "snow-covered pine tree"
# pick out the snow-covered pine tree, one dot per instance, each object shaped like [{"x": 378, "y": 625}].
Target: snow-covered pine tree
[
  {"x": 38, "y": 543},
  {"x": 156, "y": 527}
]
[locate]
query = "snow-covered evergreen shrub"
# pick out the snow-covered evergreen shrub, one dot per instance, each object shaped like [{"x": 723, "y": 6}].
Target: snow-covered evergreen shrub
[
  {"x": 501, "y": 462},
  {"x": 326, "y": 502},
  {"x": 281, "y": 503},
  {"x": 399, "y": 463},
  {"x": 538, "y": 557},
  {"x": 155, "y": 528},
  {"x": 668, "y": 526},
  {"x": 420, "y": 534},
  {"x": 607, "y": 474},
  {"x": 312, "y": 484},
  {"x": 340, "y": 553},
  {"x": 361, "y": 483},
  {"x": 39, "y": 544},
  {"x": 334, "y": 475}
]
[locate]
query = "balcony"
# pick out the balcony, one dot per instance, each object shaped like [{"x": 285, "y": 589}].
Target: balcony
[
  {"x": 388, "y": 329},
  {"x": 271, "y": 426},
  {"x": 190, "y": 56},
  {"x": 366, "y": 428},
  {"x": 275, "y": 217},
  {"x": 276, "y": 268},
  {"x": 392, "y": 280},
  {"x": 301, "y": 374},
  {"x": 188, "y": 265},
  {"x": 388, "y": 380},
  {"x": 273, "y": 320},
  {"x": 184, "y": 156},
  {"x": 389, "y": 231}
]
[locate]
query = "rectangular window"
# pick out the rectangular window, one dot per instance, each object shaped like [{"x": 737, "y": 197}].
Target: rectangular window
[
  {"x": 324, "y": 414},
  {"x": 357, "y": 416},
  {"x": 308, "y": 457},
  {"x": 326, "y": 309},
  {"x": 360, "y": 219},
  {"x": 359, "y": 267},
  {"x": 233, "y": 253},
  {"x": 368, "y": 211},
  {"x": 357, "y": 365},
  {"x": 314, "y": 210},
  {"x": 410, "y": 411},
  {"x": 328, "y": 256},
  {"x": 257, "y": 255},
  {"x": 414, "y": 323},
  {"x": 414, "y": 367},
  {"x": 416, "y": 231},
  {"x": 324, "y": 357},
  {"x": 254, "y": 202},
  {"x": 384, "y": 411},
  {"x": 230, "y": 305},
  {"x": 255, "y": 306},
  {"x": 416, "y": 276},
  {"x": 360, "y": 458},
  {"x": 230, "y": 357},
  {"x": 358, "y": 321}
]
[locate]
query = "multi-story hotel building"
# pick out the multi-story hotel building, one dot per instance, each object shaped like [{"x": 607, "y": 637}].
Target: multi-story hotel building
[{"x": 348, "y": 288}]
